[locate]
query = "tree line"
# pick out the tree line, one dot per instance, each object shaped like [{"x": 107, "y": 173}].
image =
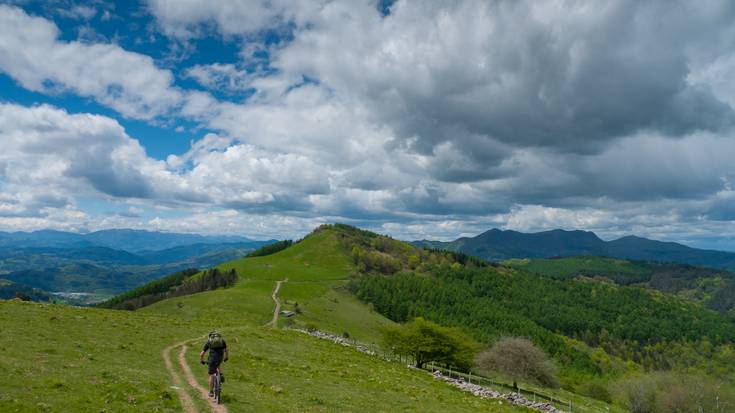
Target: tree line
[
  {"x": 179, "y": 284},
  {"x": 271, "y": 248}
]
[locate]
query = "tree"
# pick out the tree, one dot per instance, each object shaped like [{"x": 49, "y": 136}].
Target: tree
[
  {"x": 520, "y": 359},
  {"x": 426, "y": 342}
]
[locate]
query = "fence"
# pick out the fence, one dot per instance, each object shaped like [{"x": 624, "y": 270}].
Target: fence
[{"x": 530, "y": 394}]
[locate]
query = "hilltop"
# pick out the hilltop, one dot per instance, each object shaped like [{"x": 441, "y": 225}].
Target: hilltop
[{"x": 498, "y": 245}]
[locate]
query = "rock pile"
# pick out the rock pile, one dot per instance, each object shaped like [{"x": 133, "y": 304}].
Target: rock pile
[
  {"x": 337, "y": 339},
  {"x": 485, "y": 393}
]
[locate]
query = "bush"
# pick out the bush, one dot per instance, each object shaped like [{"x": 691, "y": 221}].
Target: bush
[
  {"x": 666, "y": 392},
  {"x": 311, "y": 327},
  {"x": 596, "y": 390},
  {"x": 520, "y": 359},
  {"x": 639, "y": 395}
]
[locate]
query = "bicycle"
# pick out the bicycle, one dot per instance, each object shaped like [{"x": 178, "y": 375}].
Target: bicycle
[{"x": 217, "y": 385}]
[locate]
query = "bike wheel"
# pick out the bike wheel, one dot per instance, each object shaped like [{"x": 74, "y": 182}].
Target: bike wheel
[{"x": 218, "y": 389}]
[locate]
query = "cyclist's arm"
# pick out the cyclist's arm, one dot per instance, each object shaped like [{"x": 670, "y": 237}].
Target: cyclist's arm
[
  {"x": 204, "y": 351},
  {"x": 227, "y": 353}
]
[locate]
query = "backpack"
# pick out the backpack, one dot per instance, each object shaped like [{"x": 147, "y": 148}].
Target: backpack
[{"x": 216, "y": 341}]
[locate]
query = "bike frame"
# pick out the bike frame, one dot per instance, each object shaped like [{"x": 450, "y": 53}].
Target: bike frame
[{"x": 217, "y": 386}]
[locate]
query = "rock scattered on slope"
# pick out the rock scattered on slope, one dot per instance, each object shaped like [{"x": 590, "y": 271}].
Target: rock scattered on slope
[{"x": 485, "y": 393}]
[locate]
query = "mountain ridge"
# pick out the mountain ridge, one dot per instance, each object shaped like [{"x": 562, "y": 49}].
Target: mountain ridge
[
  {"x": 130, "y": 240},
  {"x": 498, "y": 245}
]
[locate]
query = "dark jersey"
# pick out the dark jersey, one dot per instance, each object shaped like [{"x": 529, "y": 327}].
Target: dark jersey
[{"x": 215, "y": 353}]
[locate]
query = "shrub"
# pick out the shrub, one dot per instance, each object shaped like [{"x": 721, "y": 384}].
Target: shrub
[
  {"x": 596, "y": 390},
  {"x": 520, "y": 359},
  {"x": 311, "y": 327}
]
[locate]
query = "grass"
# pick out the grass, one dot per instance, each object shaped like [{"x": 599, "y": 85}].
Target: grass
[
  {"x": 70, "y": 359},
  {"x": 60, "y": 358},
  {"x": 332, "y": 309},
  {"x": 281, "y": 370}
]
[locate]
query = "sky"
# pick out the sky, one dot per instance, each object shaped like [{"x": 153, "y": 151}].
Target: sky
[{"x": 419, "y": 119}]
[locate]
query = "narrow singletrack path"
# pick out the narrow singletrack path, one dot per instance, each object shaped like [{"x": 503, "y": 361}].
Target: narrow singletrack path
[
  {"x": 186, "y": 403},
  {"x": 277, "y": 309},
  {"x": 204, "y": 392}
]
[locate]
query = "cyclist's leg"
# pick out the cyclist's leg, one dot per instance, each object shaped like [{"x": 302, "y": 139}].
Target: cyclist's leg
[{"x": 211, "y": 369}]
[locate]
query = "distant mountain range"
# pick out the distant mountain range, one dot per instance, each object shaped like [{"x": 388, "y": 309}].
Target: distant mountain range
[
  {"x": 130, "y": 240},
  {"x": 107, "y": 262},
  {"x": 498, "y": 245}
]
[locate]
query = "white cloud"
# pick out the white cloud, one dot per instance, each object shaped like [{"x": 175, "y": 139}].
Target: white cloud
[
  {"x": 189, "y": 18},
  {"x": 130, "y": 83},
  {"x": 223, "y": 77},
  {"x": 440, "y": 118}
]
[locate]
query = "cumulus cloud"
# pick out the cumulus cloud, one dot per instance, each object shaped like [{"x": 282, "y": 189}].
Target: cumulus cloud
[
  {"x": 130, "y": 83},
  {"x": 560, "y": 74},
  {"x": 437, "y": 118},
  {"x": 48, "y": 148},
  {"x": 222, "y": 77},
  {"x": 191, "y": 18},
  {"x": 50, "y": 157}
]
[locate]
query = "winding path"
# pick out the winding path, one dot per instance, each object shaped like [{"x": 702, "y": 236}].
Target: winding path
[
  {"x": 274, "y": 322},
  {"x": 186, "y": 401},
  {"x": 204, "y": 392}
]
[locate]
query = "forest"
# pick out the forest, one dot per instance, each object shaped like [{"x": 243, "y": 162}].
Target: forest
[
  {"x": 567, "y": 318},
  {"x": 713, "y": 288}
]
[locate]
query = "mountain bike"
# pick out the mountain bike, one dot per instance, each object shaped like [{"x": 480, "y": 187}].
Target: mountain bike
[{"x": 217, "y": 385}]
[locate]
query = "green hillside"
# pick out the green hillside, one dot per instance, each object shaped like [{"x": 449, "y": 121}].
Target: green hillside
[{"x": 64, "y": 358}]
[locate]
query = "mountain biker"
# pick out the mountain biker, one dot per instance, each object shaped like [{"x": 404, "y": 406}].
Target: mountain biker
[{"x": 217, "y": 354}]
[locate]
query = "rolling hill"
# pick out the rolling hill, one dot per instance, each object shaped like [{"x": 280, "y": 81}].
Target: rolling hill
[{"x": 497, "y": 245}]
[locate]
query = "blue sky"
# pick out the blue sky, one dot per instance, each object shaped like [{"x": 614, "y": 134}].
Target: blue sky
[{"x": 417, "y": 119}]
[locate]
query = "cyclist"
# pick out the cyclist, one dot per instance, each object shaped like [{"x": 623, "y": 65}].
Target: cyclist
[{"x": 217, "y": 354}]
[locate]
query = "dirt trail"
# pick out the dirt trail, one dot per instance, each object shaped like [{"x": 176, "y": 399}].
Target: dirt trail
[
  {"x": 186, "y": 403},
  {"x": 217, "y": 408},
  {"x": 277, "y": 309}
]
